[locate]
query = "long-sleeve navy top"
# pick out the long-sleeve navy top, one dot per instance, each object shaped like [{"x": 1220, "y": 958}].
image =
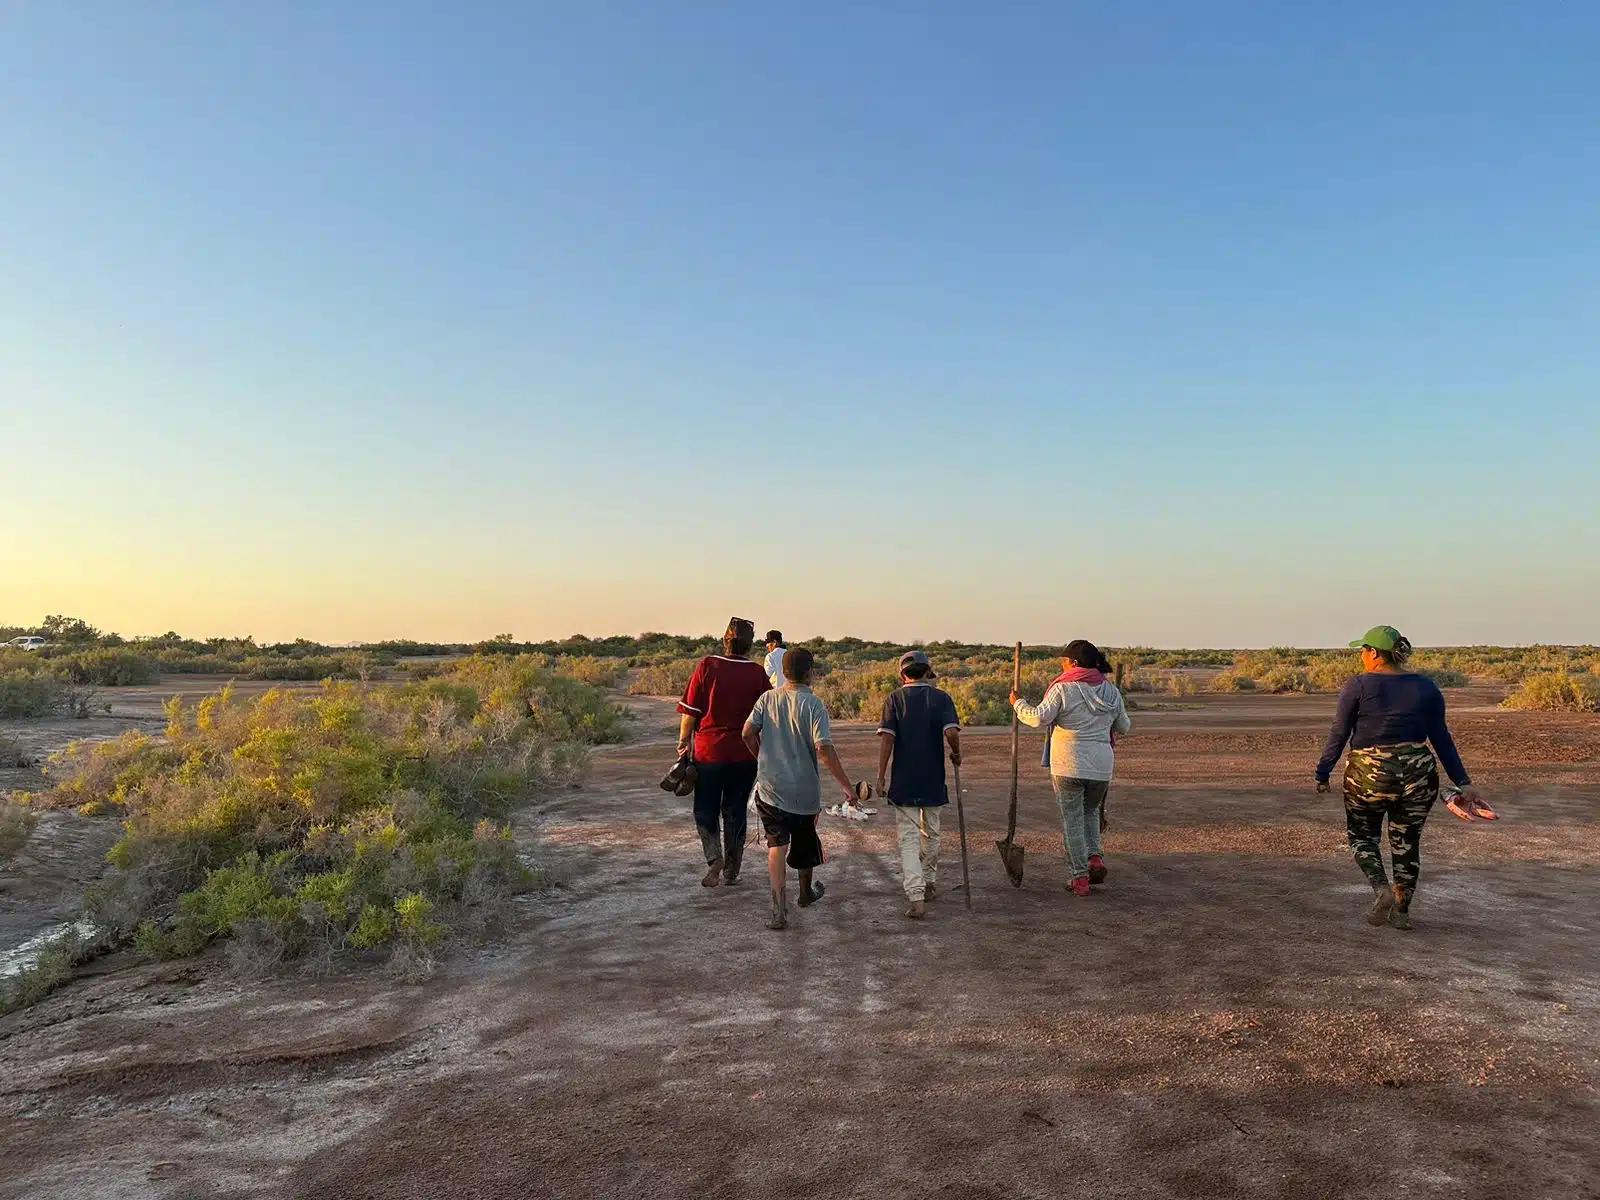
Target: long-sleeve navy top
[{"x": 1382, "y": 709}]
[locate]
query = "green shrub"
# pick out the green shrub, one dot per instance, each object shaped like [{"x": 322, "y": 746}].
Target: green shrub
[
  {"x": 310, "y": 668},
  {"x": 120, "y": 667},
  {"x": 348, "y": 817},
  {"x": 1557, "y": 692},
  {"x": 1443, "y": 676},
  {"x": 27, "y": 694},
  {"x": 12, "y": 754},
  {"x": 663, "y": 679},
  {"x": 601, "y": 672},
  {"x": 1284, "y": 678},
  {"x": 16, "y": 827},
  {"x": 52, "y": 967},
  {"x": 1231, "y": 681},
  {"x": 1329, "y": 673}
]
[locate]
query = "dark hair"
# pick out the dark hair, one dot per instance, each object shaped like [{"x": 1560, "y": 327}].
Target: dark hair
[
  {"x": 1401, "y": 652},
  {"x": 740, "y": 637},
  {"x": 915, "y": 670},
  {"x": 773, "y": 636},
  {"x": 797, "y": 665},
  {"x": 1086, "y": 654}
]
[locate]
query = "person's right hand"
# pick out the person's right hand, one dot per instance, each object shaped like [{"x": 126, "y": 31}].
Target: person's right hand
[
  {"x": 1013, "y": 698},
  {"x": 955, "y": 758}
]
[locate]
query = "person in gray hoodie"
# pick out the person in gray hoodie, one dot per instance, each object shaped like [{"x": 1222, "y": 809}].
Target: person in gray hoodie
[{"x": 1083, "y": 710}]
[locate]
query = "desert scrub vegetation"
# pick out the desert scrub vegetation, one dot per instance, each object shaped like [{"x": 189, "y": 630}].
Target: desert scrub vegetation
[
  {"x": 16, "y": 826},
  {"x": 28, "y": 694},
  {"x": 308, "y": 824},
  {"x": 663, "y": 679},
  {"x": 52, "y": 966},
  {"x": 1557, "y": 692}
]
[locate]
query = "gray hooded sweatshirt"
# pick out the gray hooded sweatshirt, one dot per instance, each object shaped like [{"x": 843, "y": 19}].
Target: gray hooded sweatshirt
[{"x": 1081, "y": 718}]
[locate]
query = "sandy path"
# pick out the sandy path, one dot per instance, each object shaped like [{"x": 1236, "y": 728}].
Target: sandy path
[{"x": 1217, "y": 1022}]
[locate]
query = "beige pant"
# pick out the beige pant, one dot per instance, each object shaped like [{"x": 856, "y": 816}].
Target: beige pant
[{"x": 918, "y": 831}]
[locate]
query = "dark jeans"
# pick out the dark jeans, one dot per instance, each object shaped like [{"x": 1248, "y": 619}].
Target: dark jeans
[{"x": 721, "y": 797}]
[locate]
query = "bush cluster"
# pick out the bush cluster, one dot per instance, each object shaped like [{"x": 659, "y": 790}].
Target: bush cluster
[
  {"x": 663, "y": 679},
  {"x": 345, "y": 818},
  {"x": 1557, "y": 692},
  {"x": 16, "y": 826}
]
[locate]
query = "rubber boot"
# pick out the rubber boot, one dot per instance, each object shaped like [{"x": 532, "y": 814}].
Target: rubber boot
[
  {"x": 711, "y": 845},
  {"x": 810, "y": 893},
  {"x": 1382, "y": 902},
  {"x": 1400, "y": 914},
  {"x": 780, "y": 911}
]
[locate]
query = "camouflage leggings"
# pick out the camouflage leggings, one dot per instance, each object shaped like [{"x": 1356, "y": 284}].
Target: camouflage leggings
[{"x": 1401, "y": 783}]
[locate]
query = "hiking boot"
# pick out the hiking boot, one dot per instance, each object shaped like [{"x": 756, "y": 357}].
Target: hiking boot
[
  {"x": 1382, "y": 902},
  {"x": 811, "y": 895},
  {"x": 780, "y": 911},
  {"x": 1400, "y": 914},
  {"x": 914, "y": 910},
  {"x": 1097, "y": 869},
  {"x": 713, "y": 875},
  {"x": 929, "y": 892},
  {"x": 1079, "y": 886}
]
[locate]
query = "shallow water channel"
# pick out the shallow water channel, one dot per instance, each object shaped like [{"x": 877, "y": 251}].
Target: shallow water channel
[{"x": 19, "y": 959}]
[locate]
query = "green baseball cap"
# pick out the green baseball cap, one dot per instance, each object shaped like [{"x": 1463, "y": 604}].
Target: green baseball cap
[{"x": 1379, "y": 637}]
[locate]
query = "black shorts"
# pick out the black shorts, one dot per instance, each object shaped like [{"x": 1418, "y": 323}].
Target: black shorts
[{"x": 798, "y": 831}]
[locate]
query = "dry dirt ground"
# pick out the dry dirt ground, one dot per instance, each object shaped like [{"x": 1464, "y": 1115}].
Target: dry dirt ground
[{"x": 1217, "y": 1021}]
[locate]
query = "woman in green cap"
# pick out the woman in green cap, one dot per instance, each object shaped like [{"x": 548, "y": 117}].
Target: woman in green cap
[{"x": 1389, "y": 716}]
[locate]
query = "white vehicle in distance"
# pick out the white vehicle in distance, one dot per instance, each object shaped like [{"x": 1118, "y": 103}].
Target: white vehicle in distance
[{"x": 25, "y": 643}]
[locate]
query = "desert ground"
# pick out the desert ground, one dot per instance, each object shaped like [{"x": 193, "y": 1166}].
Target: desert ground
[{"x": 1216, "y": 1021}]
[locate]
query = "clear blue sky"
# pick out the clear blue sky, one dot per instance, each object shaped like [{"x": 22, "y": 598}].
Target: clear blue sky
[{"x": 1168, "y": 323}]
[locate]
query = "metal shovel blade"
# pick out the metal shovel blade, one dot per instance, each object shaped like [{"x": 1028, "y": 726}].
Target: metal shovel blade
[{"x": 1011, "y": 854}]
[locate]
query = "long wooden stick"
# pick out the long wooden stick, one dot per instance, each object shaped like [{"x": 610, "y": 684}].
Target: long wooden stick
[
  {"x": 1016, "y": 734},
  {"x": 961, "y": 824}
]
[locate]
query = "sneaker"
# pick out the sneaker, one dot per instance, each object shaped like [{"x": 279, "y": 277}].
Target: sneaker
[
  {"x": 929, "y": 892},
  {"x": 1079, "y": 886},
  {"x": 914, "y": 910},
  {"x": 1382, "y": 902},
  {"x": 1097, "y": 869}
]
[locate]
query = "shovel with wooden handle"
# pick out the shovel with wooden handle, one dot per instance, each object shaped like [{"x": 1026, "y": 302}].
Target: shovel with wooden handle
[
  {"x": 961, "y": 826},
  {"x": 1010, "y": 852}
]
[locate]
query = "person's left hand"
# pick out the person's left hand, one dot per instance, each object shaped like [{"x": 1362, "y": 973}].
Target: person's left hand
[
  {"x": 1013, "y": 697},
  {"x": 683, "y": 749}
]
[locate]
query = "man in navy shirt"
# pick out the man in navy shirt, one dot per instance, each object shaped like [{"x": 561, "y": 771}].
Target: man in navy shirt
[{"x": 919, "y": 720}]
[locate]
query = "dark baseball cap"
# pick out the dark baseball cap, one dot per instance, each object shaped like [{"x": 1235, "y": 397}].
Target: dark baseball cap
[
  {"x": 1379, "y": 637},
  {"x": 914, "y": 658}
]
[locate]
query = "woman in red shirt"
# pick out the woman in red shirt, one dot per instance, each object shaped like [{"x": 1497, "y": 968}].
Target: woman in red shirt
[{"x": 715, "y": 705}]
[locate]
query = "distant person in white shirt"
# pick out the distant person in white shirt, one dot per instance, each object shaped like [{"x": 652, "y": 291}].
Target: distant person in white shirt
[{"x": 774, "y": 662}]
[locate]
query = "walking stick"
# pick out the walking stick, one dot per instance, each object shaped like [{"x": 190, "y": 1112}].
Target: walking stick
[
  {"x": 1011, "y": 853},
  {"x": 961, "y": 824}
]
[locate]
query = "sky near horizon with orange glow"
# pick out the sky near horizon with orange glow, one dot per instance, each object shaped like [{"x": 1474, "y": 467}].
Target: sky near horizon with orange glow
[{"x": 1240, "y": 326}]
